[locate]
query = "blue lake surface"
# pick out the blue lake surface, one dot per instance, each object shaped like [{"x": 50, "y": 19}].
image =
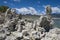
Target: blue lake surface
[{"x": 57, "y": 23}]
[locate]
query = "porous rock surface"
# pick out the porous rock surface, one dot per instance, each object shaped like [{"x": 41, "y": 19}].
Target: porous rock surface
[{"x": 21, "y": 29}]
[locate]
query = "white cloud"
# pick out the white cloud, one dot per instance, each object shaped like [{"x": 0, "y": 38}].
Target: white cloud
[
  {"x": 29, "y": 10},
  {"x": 5, "y": 1},
  {"x": 32, "y": 10},
  {"x": 43, "y": 12},
  {"x": 55, "y": 10},
  {"x": 16, "y": 0}
]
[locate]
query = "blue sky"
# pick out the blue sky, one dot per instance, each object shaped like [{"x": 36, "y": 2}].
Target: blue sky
[{"x": 38, "y": 5}]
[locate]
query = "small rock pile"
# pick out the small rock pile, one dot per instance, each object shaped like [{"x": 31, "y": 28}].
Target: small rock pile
[
  {"x": 19, "y": 29},
  {"x": 53, "y": 34}
]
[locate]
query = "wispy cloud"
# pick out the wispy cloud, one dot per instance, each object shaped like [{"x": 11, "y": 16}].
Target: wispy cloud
[
  {"x": 29, "y": 10},
  {"x": 16, "y": 0},
  {"x": 55, "y": 10},
  {"x": 5, "y": 2}
]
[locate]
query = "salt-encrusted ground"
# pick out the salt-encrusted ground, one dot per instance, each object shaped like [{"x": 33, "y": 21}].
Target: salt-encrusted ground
[
  {"x": 14, "y": 28},
  {"x": 20, "y": 29}
]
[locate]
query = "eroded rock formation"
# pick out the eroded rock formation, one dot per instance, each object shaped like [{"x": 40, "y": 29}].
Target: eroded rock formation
[{"x": 20, "y": 29}]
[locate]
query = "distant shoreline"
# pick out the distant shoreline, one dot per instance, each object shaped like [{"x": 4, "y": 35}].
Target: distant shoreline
[{"x": 55, "y": 18}]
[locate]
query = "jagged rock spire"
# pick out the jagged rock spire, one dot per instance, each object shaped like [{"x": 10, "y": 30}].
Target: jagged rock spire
[{"x": 48, "y": 11}]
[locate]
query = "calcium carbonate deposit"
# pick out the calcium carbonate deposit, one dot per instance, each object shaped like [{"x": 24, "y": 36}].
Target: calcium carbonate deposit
[{"x": 12, "y": 27}]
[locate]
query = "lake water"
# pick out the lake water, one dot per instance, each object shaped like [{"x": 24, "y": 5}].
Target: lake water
[{"x": 57, "y": 23}]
